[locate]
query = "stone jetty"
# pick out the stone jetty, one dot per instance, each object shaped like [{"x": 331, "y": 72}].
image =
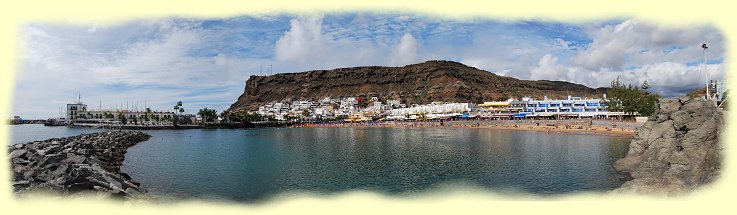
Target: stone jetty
[
  {"x": 676, "y": 150},
  {"x": 87, "y": 163}
]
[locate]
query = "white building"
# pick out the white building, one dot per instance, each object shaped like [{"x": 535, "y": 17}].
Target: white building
[
  {"x": 78, "y": 113},
  {"x": 434, "y": 108},
  {"x": 570, "y": 106},
  {"x": 73, "y": 110}
]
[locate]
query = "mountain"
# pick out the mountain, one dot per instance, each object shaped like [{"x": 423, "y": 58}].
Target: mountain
[{"x": 445, "y": 81}]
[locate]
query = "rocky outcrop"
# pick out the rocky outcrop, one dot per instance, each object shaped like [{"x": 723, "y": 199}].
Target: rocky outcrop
[
  {"x": 421, "y": 83},
  {"x": 676, "y": 150},
  {"x": 83, "y": 163}
]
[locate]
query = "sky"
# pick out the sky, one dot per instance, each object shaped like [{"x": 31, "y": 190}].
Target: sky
[{"x": 205, "y": 62}]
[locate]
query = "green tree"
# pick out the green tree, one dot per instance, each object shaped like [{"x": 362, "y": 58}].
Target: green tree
[
  {"x": 631, "y": 99},
  {"x": 177, "y": 108},
  {"x": 646, "y": 100},
  {"x": 186, "y": 120},
  {"x": 208, "y": 115},
  {"x": 305, "y": 113},
  {"x": 614, "y": 96},
  {"x": 122, "y": 118},
  {"x": 148, "y": 114},
  {"x": 224, "y": 115}
]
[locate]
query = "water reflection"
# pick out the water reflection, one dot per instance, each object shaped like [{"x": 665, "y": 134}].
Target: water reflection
[{"x": 254, "y": 164}]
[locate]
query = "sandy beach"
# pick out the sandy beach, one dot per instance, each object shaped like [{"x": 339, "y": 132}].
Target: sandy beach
[{"x": 549, "y": 126}]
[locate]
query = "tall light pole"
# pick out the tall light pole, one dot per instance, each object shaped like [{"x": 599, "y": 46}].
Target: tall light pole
[{"x": 708, "y": 96}]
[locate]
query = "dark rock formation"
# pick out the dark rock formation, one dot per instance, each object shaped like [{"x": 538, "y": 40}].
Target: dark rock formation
[
  {"x": 418, "y": 83},
  {"x": 676, "y": 150},
  {"x": 87, "y": 162}
]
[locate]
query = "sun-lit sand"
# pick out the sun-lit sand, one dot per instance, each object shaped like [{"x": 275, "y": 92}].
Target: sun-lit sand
[{"x": 540, "y": 126}]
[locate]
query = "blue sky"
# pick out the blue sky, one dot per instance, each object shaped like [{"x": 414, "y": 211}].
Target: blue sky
[{"x": 205, "y": 62}]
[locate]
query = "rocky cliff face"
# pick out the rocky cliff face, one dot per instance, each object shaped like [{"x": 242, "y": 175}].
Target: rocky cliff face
[
  {"x": 418, "y": 83},
  {"x": 676, "y": 150},
  {"x": 83, "y": 163}
]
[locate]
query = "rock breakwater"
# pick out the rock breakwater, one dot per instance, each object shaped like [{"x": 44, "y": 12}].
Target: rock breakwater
[
  {"x": 676, "y": 150},
  {"x": 82, "y": 163}
]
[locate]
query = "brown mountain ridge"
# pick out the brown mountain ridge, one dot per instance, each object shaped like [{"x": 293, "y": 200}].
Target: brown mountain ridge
[{"x": 421, "y": 83}]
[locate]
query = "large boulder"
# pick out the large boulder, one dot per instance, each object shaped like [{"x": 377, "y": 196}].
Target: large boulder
[
  {"x": 676, "y": 150},
  {"x": 18, "y": 153}
]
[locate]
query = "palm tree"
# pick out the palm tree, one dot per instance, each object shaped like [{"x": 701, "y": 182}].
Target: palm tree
[
  {"x": 179, "y": 108},
  {"x": 148, "y": 114},
  {"x": 122, "y": 118},
  {"x": 224, "y": 115},
  {"x": 181, "y": 111},
  {"x": 203, "y": 114}
]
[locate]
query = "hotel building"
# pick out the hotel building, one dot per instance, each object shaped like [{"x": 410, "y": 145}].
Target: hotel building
[{"x": 79, "y": 114}]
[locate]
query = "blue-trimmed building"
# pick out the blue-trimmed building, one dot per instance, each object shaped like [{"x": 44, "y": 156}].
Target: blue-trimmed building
[
  {"x": 569, "y": 107},
  {"x": 572, "y": 105}
]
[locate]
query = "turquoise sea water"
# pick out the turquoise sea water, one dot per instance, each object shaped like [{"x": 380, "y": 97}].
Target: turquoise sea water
[{"x": 255, "y": 164}]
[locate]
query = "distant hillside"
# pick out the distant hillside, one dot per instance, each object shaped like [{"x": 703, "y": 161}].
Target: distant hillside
[{"x": 426, "y": 82}]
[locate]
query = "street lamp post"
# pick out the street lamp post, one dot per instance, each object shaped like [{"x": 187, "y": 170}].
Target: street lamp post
[{"x": 708, "y": 96}]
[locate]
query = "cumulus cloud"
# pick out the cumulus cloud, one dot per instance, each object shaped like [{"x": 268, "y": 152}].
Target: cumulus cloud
[
  {"x": 405, "y": 52},
  {"x": 205, "y": 62},
  {"x": 303, "y": 42},
  {"x": 633, "y": 43},
  {"x": 548, "y": 69},
  {"x": 57, "y": 63},
  {"x": 666, "y": 78},
  {"x": 308, "y": 45}
]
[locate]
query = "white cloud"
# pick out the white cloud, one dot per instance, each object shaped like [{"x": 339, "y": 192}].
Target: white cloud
[
  {"x": 56, "y": 63},
  {"x": 548, "y": 69},
  {"x": 308, "y": 46},
  {"x": 303, "y": 42},
  {"x": 632, "y": 43},
  {"x": 405, "y": 52},
  {"x": 665, "y": 78},
  {"x": 162, "y": 61}
]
